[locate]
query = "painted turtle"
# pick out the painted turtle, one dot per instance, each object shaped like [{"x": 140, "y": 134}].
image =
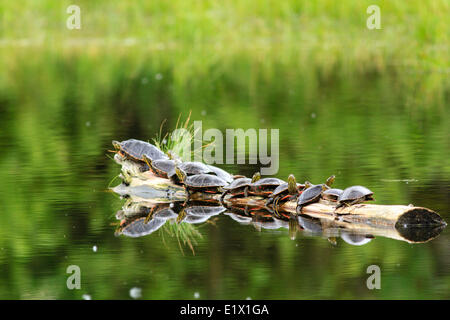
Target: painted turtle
[
  {"x": 201, "y": 182},
  {"x": 310, "y": 195},
  {"x": 164, "y": 168},
  {"x": 332, "y": 194},
  {"x": 353, "y": 195},
  {"x": 192, "y": 168},
  {"x": 239, "y": 186},
  {"x": 285, "y": 192},
  {"x": 265, "y": 186},
  {"x": 135, "y": 149}
]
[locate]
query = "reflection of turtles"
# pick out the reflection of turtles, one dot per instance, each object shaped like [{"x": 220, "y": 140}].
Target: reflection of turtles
[
  {"x": 356, "y": 239},
  {"x": 140, "y": 227},
  {"x": 353, "y": 195},
  {"x": 198, "y": 213},
  {"x": 136, "y": 149}
]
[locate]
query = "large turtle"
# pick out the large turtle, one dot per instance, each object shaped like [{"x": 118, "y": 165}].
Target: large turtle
[
  {"x": 136, "y": 149},
  {"x": 353, "y": 195},
  {"x": 164, "y": 168}
]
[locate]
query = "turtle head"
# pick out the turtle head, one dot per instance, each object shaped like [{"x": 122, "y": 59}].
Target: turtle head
[
  {"x": 325, "y": 187},
  {"x": 307, "y": 184},
  {"x": 181, "y": 175},
  {"x": 292, "y": 184},
  {"x": 256, "y": 177},
  {"x": 330, "y": 180},
  {"x": 116, "y": 145}
]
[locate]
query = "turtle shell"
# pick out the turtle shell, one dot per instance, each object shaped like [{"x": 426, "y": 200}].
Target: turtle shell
[
  {"x": 204, "y": 181},
  {"x": 332, "y": 194},
  {"x": 138, "y": 227},
  {"x": 137, "y": 148},
  {"x": 165, "y": 166},
  {"x": 354, "y": 193},
  {"x": 205, "y": 210},
  {"x": 283, "y": 188},
  {"x": 165, "y": 213},
  {"x": 268, "y": 182},
  {"x": 238, "y": 183},
  {"x": 310, "y": 195},
  {"x": 191, "y": 168},
  {"x": 221, "y": 173}
]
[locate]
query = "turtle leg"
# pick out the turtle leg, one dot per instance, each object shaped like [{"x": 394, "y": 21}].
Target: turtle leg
[
  {"x": 150, "y": 215},
  {"x": 181, "y": 215},
  {"x": 298, "y": 210},
  {"x": 222, "y": 197},
  {"x": 275, "y": 207}
]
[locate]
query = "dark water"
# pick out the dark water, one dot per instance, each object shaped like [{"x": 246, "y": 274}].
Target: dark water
[{"x": 56, "y": 210}]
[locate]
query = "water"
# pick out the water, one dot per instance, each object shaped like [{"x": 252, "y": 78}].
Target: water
[{"x": 57, "y": 211}]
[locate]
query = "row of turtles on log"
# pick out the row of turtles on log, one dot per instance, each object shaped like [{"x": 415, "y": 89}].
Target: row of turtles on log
[{"x": 197, "y": 176}]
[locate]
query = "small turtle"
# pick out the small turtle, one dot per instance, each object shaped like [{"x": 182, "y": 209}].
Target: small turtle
[
  {"x": 221, "y": 173},
  {"x": 201, "y": 182},
  {"x": 284, "y": 192},
  {"x": 332, "y": 194},
  {"x": 353, "y": 195},
  {"x": 164, "y": 168},
  {"x": 135, "y": 149},
  {"x": 239, "y": 186},
  {"x": 265, "y": 186},
  {"x": 310, "y": 195}
]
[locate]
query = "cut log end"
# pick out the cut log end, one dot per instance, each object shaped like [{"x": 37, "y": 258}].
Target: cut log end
[{"x": 418, "y": 217}]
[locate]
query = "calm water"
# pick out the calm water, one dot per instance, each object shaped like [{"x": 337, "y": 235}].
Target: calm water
[{"x": 56, "y": 210}]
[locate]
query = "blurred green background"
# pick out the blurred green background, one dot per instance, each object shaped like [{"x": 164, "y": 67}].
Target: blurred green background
[{"x": 370, "y": 106}]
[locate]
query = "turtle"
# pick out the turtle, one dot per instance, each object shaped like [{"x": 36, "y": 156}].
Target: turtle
[
  {"x": 265, "y": 186},
  {"x": 221, "y": 173},
  {"x": 239, "y": 186},
  {"x": 353, "y": 195},
  {"x": 135, "y": 149},
  {"x": 164, "y": 168},
  {"x": 284, "y": 192},
  {"x": 332, "y": 194},
  {"x": 311, "y": 194},
  {"x": 191, "y": 168},
  {"x": 203, "y": 182}
]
